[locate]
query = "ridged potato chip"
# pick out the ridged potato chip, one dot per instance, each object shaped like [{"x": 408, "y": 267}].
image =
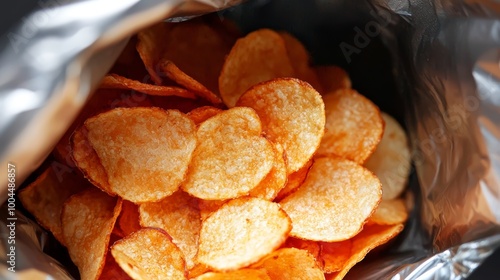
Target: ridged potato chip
[
  {"x": 241, "y": 232},
  {"x": 389, "y": 212},
  {"x": 149, "y": 254},
  {"x": 201, "y": 114},
  {"x": 292, "y": 114},
  {"x": 391, "y": 161},
  {"x": 294, "y": 181},
  {"x": 354, "y": 126},
  {"x": 275, "y": 180},
  {"x": 322, "y": 208},
  {"x": 332, "y": 78},
  {"x": 87, "y": 220},
  {"x": 242, "y": 274},
  {"x": 179, "y": 216},
  {"x": 145, "y": 152},
  {"x": 291, "y": 264},
  {"x": 260, "y": 56},
  {"x": 335, "y": 255}
]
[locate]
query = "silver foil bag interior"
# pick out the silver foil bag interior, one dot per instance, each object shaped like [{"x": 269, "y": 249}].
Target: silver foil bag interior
[{"x": 434, "y": 65}]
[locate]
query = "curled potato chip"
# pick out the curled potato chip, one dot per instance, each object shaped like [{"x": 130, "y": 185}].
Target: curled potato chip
[
  {"x": 332, "y": 78},
  {"x": 312, "y": 247},
  {"x": 390, "y": 212},
  {"x": 201, "y": 114},
  {"x": 292, "y": 114},
  {"x": 231, "y": 158},
  {"x": 242, "y": 274},
  {"x": 275, "y": 180},
  {"x": 150, "y": 47},
  {"x": 197, "y": 270},
  {"x": 145, "y": 152},
  {"x": 149, "y": 254},
  {"x": 335, "y": 255},
  {"x": 291, "y": 264},
  {"x": 179, "y": 216},
  {"x": 260, "y": 56},
  {"x": 241, "y": 232},
  {"x": 294, "y": 180},
  {"x": 354, "y": 126},
  {"x": 391, "y": 161},
  {"x": 322, "y": 208},
  {"x": 87, "y": 220},
  {"x": 128, "y": 221}
]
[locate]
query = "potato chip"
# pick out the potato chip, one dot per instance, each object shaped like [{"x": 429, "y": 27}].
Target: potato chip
[
  {"x": 114, "y": 81},
  {"x": 242, "y": 274},
  {"x": 312, "y": 247},
  {"x": 149, "y": 254},
  {"x": 354, "y": 126},
  {"x": 241, "y": 232},
  {"x": 201, "y": 114},
  {"x": 44, "y": 198},
  {"x": 151, "y": 45},
  {"x": 292, "y": 114},
  {"x": 207, "y": 207},
  {"x": 128, "y": 221},
  {"x": 322, "y": 208},
  {"x": 260, "y": 56},
  {"x": 231, "y": 158},
  {"x": 179, "y": 216},
  {"x": 335, "y": 255},
  {"x": 275, "y": 180},
  {"x": 391, "y": 161},
  {"x": 369, "y": 238},
  {"x": 332, "y": 78},
  {"x": 294, "y": 181},
  {"x": 144, "y": 151},
  {"x": 112, "y": 271},
  {"x": 87, "y": 220},
  {"x": 291, "y": 264},
  {"x": 197, "y": 270},
  {"x": 390, "y": 212}
]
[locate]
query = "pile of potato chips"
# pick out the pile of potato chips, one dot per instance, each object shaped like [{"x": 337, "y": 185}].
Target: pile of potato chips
[{"x": 211, "y": 156}]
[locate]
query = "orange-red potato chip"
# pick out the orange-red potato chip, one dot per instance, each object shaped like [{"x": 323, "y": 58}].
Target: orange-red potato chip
[
  {"x": 112, "y": 271},
  {"x": 150, "y": 46},
  {"x": 202, "y": 114},
  {"x": 334, "y": 255},
  {"x": 391, "y": 161},
  {"x": 260, "y": 56},
  {"x": 312, "y": 247},
  {"x": 390, "y": 212},
  {"x": 149, "y": 254},
  {"x": 275, "y": 180},
  {"x": 242, "y": 274},
  {"x": 332, "y": 78},
  {"x": 292, "y": 114},
  {"x": 291, "y": 264},
  {"x": 231, "y": 157},
  {"x": 334, "y": 201},
  {"x": 354, "y": 126},
  {"x": 207, "y": 207},
  {"x": 87, "y": 220},
  {"x": 144, "y": 151},
  {"x": 128, "y": 221},
  {"x": 114, "y": 81},
  {"x": 241, "y": 232},
  {"x": 369, "y": 238},
  {"x": 294, "y": 180},
  {"x": 179, "y": 216}
]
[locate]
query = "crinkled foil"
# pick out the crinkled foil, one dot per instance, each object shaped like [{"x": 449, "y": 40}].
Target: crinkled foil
[{"x": 445, "y": 67}]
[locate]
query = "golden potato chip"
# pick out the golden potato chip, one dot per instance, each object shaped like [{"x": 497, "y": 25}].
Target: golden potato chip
[
  {"x": 334, "y": 201},
  {"x": 332, "y": 78},
  {"x": 197, "y": 270},
  {"x": 201, "y": 114},
  {"x": 87, "y": 220},
  {"x": 241, "y": 232},
  {"x": 112, "y": 271},
  {"x": 128, "y": 221},
  {"x": 242, "y": 274},
  {"x": 312, "y": 247},
  {"x": 354, "y": 126},
  {"x": 390, "y": 212},
  {"x": 231, "y": 158},
  {"x": 114, "y": 81},
  {"x": 391, "y": 161},
  {"x": 207, "y": 207},
  {"x": 179, "y": 216},
  {"x": 294, "y": 180},
  {"x": 299, "y": 57},
  {"x": 335, "y": 255},
  {"x": 369, "y": 238},
  {"x": 149, "y": 254},
  {"x": 291, "y": 264},
  {"x": 144, "y": 151},
  {"x": 275, "y": 180},
  {"x": 292, "y": 114},
  {"x": 260, "y": 56},
  {"x": 44, "y": 198}
]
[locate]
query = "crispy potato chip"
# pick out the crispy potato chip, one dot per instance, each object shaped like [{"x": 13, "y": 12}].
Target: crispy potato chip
[
  {"x": 294, "y": 181},
  {"x": 197, "y": 270},
  {"x": 151, "y": 45},
  {"x": 241, "y": 232},
  {"x": 242, "y": 274},
  {"x": 299, "y": 57},
  {"x": 260, "y": 56},
  {"x": 231, "y": 158},
  {"x": 144, "y": 151},
  {"x": 369, "y": 238},
  {"x": 291, "y": 264},
  {"x": 390, "y": 212},
  {"x": 311, "y": 246},
  {"x": 201, "y": 114},
  {"x": 391, "y": 161},
  {"x": 179, "y": 216},
  {"x": 114, "y": 81},
  {"x": 335, "y": 255},
  {"x": 275, "y": 180},
  {"x": 292, "y": 114},
  {"x": 322, "y": 208},
  {"x": 149, "y": 254},
  {"x": 112, "y": 271},
  {"x": 128, "y": 221},
  {"x": 332, "y": 78},
  {"x": 87, "y": 220},
  {"x": 44, "y": 198},
  {"x": 207, "y": 207},
  {"x": 354, "y": 126}
]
